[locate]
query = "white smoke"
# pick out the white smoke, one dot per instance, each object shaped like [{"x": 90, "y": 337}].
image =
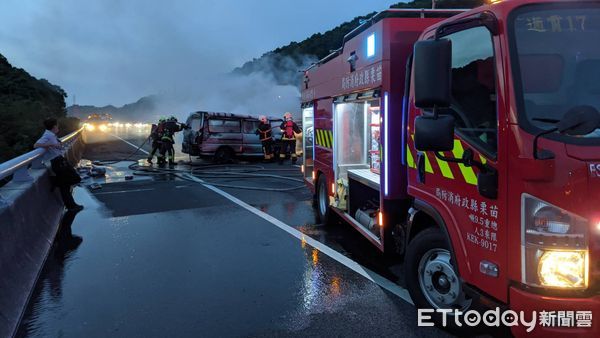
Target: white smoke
[
  {"x": 256, "y": 93},
  {"x": 265, "y": 87}
]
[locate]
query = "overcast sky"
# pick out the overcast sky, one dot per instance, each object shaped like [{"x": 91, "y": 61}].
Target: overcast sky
[{"x": 116, "y": 51}]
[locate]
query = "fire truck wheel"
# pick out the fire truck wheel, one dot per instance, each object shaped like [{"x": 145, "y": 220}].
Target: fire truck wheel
[
  {"x": 224, "y": 155},
  {"x": 323, "y": 200},
  {"x": 431, "y": 277}
]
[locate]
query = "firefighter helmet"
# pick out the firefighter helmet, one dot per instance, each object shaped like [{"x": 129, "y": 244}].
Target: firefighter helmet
[
  {"x": 263, "y": 119},
  {"x": 287, "y": 116}
]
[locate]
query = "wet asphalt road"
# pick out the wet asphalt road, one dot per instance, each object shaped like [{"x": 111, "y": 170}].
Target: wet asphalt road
[{"x": 163, "y": 256}]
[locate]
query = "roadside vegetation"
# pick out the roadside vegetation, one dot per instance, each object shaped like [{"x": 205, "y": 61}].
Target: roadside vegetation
[{"x": 24, "y": 103}]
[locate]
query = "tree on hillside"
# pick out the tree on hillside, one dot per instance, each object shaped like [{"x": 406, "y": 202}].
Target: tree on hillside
[
  {"x": 24, "y": 103},
  {"x": 297, "y": 55}
]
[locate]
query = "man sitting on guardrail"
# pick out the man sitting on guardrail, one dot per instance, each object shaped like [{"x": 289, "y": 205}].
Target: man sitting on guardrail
[{"x": 66, "y": 176}]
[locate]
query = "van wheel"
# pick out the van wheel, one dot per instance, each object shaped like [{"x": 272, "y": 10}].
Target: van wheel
[
  {"x": 223, "y": 155},
  {"x": 322, "y": 200},
  {"x": 431, "y": 277}
]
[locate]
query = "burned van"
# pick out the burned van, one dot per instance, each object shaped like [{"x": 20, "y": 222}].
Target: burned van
[{"x": 224, "y": 136}]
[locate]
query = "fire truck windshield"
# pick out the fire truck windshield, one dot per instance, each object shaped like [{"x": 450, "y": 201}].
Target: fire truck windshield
[{"x": 556, "y": 64}]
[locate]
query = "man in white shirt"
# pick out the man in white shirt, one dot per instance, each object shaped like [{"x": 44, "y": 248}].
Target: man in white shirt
[{"x": 65, "y": 177}]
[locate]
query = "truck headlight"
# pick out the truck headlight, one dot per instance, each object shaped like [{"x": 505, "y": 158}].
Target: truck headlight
[
  {"x": 554, "y": 245},
  {"x": 564, "y": 269}
]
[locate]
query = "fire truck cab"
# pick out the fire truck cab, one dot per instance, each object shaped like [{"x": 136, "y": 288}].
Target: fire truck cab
[{"x": 473, "y": 153}]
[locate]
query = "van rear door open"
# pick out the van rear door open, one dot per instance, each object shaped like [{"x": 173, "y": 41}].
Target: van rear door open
[{"x": 193, "y": 137}]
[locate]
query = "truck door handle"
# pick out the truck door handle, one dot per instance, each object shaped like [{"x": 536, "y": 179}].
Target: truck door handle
[{"x": 421, "y": 167}]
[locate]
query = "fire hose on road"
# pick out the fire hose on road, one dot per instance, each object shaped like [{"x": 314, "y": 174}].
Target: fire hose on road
[
  {"x": 210, "y": 171},
  {"x": 226, "y": 172}
]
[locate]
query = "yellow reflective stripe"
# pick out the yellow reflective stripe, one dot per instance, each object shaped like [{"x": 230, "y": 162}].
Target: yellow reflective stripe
[
  {"x": 445, "y": 168},
  {"x": 410, "y": 160},
  {"x": 428, "y": 167},
  {"x": 483, "y": 159},
  {"x": 324, "y": 138},
  {"x": 467, "y": 172},
  {"x": 319, "y": 138}
]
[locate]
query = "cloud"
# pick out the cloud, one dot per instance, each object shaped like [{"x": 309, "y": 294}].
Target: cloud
[{"x": 116, "y": 51}]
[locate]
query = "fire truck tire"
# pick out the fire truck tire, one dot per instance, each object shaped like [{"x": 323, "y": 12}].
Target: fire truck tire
[
  {"x": 224, "y": 155},
  {"x": 322, "y": 200},
  {"x": 431, "y": 277}
]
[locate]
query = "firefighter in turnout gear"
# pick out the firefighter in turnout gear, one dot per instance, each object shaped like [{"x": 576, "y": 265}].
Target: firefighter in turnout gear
[
  {"x": 155, "y": 136},
  {"x": 266, "y": 138},
  {"x": 171, "y": 126},
  {"x": 289, "y": 129}
]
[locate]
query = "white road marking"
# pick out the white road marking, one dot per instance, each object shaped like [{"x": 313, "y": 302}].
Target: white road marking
[
  {"x": 347, "y": 262},
  {"x": 131, "y": 144}
]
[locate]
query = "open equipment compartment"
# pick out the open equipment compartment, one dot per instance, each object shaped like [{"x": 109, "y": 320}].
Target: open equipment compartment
[{"x": 357, "y": 161}]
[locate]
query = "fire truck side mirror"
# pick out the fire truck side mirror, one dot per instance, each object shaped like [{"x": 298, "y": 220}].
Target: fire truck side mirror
[
  {"x": 434, "y": 133},
  {"x": 432, "y": 70}
]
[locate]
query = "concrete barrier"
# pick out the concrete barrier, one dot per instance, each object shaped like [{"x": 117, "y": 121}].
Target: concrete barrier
[{"x": 29, "y": 220}]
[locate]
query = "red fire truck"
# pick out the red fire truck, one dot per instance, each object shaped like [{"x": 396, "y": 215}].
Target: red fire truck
[{"x": 470, "y": 147}]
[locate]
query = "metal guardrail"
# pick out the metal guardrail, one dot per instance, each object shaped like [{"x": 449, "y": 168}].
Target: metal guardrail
[{"x": 18, "y": 166}]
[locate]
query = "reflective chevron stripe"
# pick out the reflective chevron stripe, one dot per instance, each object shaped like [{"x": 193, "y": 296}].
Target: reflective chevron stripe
[
  {"x": 409, "y": 158},
  {"x": 448, "y": 170},
  {"x": 428, "y": 167},
  {"x": 318, "y": 133},
  {"x": 467, "y": 172},
  {"x": 324, "y": 138},
  {"x": 445, "y": 168}
]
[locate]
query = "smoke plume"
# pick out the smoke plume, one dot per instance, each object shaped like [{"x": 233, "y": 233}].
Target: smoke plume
[{"x": 272, "y": 88}]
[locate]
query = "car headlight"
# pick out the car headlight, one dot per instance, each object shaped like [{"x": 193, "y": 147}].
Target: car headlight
[{"x": 554, "y": 246}]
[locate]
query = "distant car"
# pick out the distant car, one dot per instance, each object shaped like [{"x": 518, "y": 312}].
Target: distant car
[
  {"x": 99, "y": 118},
  {"x": 224, "y": 136}
]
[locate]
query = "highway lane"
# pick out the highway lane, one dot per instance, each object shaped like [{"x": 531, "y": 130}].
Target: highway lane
[
  {"x": 294, "y": 207},
  {"x": 160, "y": 255}
]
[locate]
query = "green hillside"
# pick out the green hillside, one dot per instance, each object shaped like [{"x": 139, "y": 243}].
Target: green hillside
[
  {"x": 284, "y": 62},
  {"x": 24, "y": 103}
]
